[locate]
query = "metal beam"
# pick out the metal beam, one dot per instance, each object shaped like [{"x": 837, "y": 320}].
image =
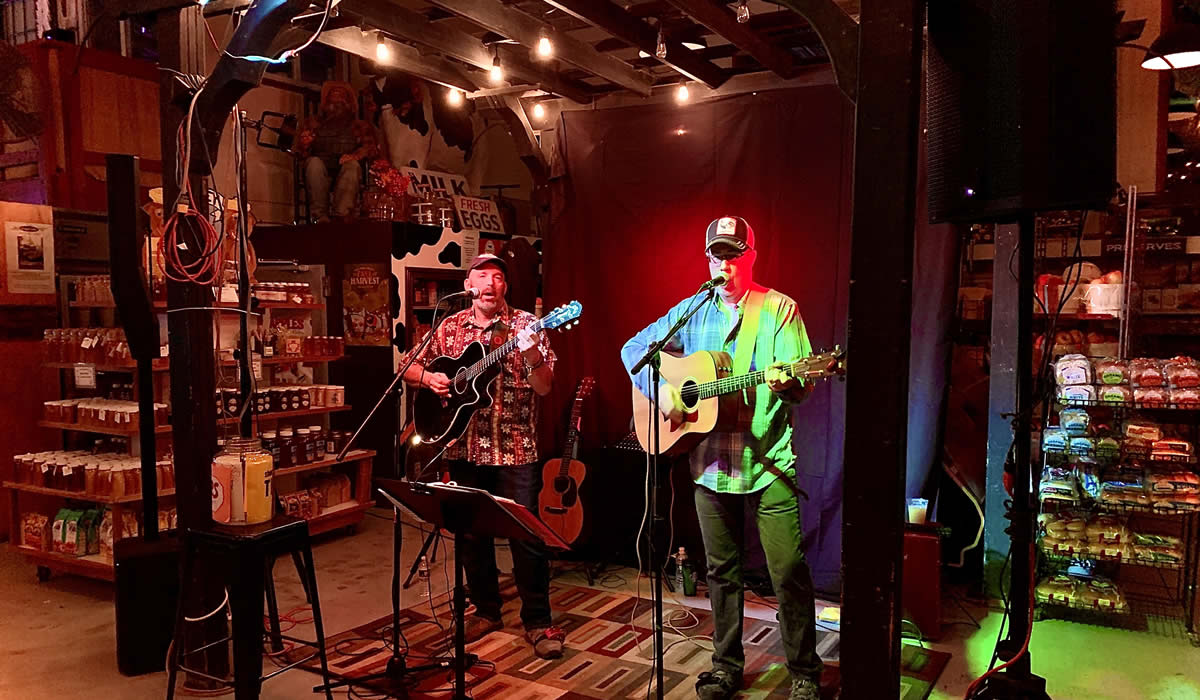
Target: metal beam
[
  {"x": 723, "y": 22},
  {"x": 526, "y": 30},
  {"x": 612, "y": 19},
  {"x": 839, "y": 33},
  {"x": 884, "y": 199},
  {"x": 411, "y": 26},
  {"x": 403, "y": 57}
]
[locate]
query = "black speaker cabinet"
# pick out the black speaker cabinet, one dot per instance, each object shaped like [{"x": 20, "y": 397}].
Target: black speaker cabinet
[{"x": 1020, "y": 106}]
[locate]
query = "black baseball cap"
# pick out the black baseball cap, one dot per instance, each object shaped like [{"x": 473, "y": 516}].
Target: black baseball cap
[
  {"x": 730, "y": 230},
  {"x": 489, "y": 259}
]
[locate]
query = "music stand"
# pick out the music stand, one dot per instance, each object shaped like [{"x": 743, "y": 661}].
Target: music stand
[{"x": 460, "y": 510}]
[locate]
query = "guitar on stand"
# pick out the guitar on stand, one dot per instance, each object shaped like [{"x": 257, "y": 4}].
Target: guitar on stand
[
  {"x": 442, "y": 420},
  {"x": 558, "y": 502},
  {"x": 709, "y": 394}
]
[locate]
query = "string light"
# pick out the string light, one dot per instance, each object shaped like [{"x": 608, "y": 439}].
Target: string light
[
  {"x": 382, "y": 52},
  {"x": 454, "y": 98},
  {"x": 538, "y": 110},
  {"x": 681, "y": 94},
  {"x": 496, "y": 73},
  {"x": 743, "y": 12},
  {"x": 544, "y": 48}
]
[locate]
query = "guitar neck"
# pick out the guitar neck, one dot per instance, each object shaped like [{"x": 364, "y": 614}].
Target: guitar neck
[
  {"x": 498, "y": 354},
  {"x": 728, "y": 385}
]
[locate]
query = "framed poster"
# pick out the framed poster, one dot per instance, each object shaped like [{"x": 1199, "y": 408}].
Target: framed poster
[
  {"x": 29, "y": 258},
  {"x": 365, "y": 309}
]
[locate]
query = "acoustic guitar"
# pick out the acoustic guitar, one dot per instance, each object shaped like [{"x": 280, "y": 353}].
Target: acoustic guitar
[
  {"x": 442, "y": 420},
  {"x": 558, "y": 502},
  {"x": 709, "y": 391}
]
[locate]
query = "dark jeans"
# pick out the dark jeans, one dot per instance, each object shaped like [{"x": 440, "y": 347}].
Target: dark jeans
[
  {"x": 777, "y": 512},
  {"x": 531, "y": 566}
]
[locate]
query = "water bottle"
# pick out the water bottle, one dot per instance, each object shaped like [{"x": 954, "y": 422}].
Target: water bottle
[
  {"x": 685, "y": 577},
  {"x": 423, "y": 575}
]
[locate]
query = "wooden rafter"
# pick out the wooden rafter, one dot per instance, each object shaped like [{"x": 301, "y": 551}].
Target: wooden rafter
[
  {"x": 616, "y": 21},
  {"x": 720, "y": 20},
  {"x": 403, "y": 57},
  {"x": 411, "y": 26},
  {"x": 527, "y": 30}
]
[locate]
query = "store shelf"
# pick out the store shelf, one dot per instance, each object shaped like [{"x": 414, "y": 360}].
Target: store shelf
[
  {"x": 1128, "y": 405},
  {"x": 92, "y": 566},
  {"x": 290, "y": 359},
  {"x": 74, "y": 427},
  {"x": 92, "y": 305},
  {"x": 278, "y": 415},
  {"x": 352, "y": 457},
  {"x": 1072, "y": 558},
  {"x": 161, "y": 365},
  {"x": 1054, "y": 506},
  {"x": 341, "y": 515},
  {"x": 80, "y": 495},
  {"x": 284, "y": 305}
]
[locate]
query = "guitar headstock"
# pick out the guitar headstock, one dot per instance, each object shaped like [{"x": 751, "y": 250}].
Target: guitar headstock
[
  {"x": 829, "y": 363},
  {"x": 564, "y": 316},
  {"x": 586, "y": 386}
]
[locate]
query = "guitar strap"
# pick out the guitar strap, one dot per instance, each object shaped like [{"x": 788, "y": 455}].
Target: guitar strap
[{"x": 743, "y": 353}]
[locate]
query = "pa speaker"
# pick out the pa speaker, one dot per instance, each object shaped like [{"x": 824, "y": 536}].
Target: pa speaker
[{"x": 1020, "y": 106}]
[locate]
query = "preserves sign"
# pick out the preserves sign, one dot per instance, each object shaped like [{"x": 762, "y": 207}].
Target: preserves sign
[{"x": 478, "y": 214}]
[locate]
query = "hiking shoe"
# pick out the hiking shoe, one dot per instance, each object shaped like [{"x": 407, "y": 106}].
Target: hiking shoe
[
  {"x": 547, "y": 641},
  {"x": 804, "y": 689},
  {"x": 718, "y": 684}
]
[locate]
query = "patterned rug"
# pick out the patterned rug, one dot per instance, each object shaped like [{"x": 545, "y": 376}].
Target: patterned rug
[{"x": 604, "y": 657}]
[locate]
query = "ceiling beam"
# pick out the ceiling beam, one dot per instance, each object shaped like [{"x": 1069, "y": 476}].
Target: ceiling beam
[
  {"x": 403, "y": 58},
  {"x": 509, "y": 109},
  {"x": 612, "y": 19},
  {"x": 526, "y": 30},
  {"x": 720, "y": 20},
  {"x": 411, "y": 26},
  {"x": 708, "y": 54}
]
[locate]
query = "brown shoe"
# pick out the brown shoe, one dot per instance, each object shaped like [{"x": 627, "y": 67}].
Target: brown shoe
[
  {"x": 477, "y": 627},
  {"x": 547, "y": 641}
]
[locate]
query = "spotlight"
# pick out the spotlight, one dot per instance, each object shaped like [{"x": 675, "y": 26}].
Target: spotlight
[
  {"x": 454, "y": 98},
  {"x": 743, "y": 12},
  {"x": 681, "y": 94},
  {"x": 538, "y": 111},
  {"x": 544, "y": 48},
  {"x": 1178, "y": 47},
  {"x": 382, "y": 52}
]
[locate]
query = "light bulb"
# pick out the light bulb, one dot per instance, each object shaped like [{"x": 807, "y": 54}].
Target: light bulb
[
  {"x": 454, "y": 98},
  {"x": 496, "y": 73},
  {"x": 660, "y": 47},
  {"x": 681, "y": 95},
  {"x": 538, "y": 111},
  {"x": 544, "y": 48},
  {"x": 382, "y": 52}
]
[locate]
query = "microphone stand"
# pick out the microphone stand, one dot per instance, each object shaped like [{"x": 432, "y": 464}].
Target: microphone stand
[
  {"x": 396, "y": 668},
  {"x": 652, "y": 362}
]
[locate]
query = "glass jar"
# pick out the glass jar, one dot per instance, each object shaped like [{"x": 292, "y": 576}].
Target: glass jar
[
  {"x": 304, "y": 446},
  {"x": 316, "y": 396},
  {"x": 305, "y": 394},
  {"x": 287, "y": 448},
  {"x": 294, "y": 401},
  {"x": 270, "y": 443},
  {"x": 118, "y": 486},
  {"x": 317, "y": 437},
  {"x": 242, "y": 483}
]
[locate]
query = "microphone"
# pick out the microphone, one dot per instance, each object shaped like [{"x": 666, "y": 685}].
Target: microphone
[
  {"x": 472, "y": 292},
  {"x": 717, "y": 281}
]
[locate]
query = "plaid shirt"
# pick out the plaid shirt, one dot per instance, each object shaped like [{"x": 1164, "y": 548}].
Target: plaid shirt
[
  {"x": 750, "y": 458},
  {"x": 506, "y": 432}
]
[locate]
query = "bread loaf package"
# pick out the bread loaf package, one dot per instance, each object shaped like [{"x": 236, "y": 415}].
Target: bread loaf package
[{"x": 1072, "y": 369}]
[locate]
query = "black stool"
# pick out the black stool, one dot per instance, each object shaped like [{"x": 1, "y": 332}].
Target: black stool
[{"x": 246, "y": 555}]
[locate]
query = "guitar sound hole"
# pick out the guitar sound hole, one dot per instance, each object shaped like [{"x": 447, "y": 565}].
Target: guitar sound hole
[
  {"x": 460, "y": 381},
  {"x": 689, "y": 402}
]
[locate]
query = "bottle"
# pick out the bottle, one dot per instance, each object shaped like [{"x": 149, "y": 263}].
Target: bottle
[
  {"x": 680, "y": 558},
  {"x": 423, "y": 574},
  {"x": 685, "y": 574}
]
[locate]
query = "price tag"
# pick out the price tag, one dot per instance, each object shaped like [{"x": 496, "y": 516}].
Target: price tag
[
  {"x": 256, "y": 368},
  {"x": 85, "y": 376}
]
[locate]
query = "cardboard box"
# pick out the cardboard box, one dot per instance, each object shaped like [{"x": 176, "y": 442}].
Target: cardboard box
[
  {"x": 1152, "y": 300},
  {"x": 1170, "y": 299}
]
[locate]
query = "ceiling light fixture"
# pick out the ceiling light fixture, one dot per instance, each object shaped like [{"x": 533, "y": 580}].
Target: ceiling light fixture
[
  {"x": 496, "y": 73},
  {"x": 743, "y": 12},
  {"x": 1178, "y": 47},
  {"x": 544, "y": 48},
  {"x": 681, "y": 94},
  {"x": 382, "y": 52},
  {"x": 454, "y": 98},
  {"x": 538, "y": 110},
  {"x": 660, "y": 46}
]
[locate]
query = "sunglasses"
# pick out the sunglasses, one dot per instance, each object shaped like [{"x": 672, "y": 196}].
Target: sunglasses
[{"x": 724, "y": 256}]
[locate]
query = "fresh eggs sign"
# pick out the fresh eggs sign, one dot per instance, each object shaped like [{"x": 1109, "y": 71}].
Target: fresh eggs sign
[{"x": 478, "y": 214}]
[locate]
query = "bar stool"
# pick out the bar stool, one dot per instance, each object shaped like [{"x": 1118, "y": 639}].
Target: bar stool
[{"x": 245, "y": 556}]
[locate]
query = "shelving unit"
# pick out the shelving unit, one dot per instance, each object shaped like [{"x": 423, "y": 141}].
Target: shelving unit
[{"x": 357, "y": 465}]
